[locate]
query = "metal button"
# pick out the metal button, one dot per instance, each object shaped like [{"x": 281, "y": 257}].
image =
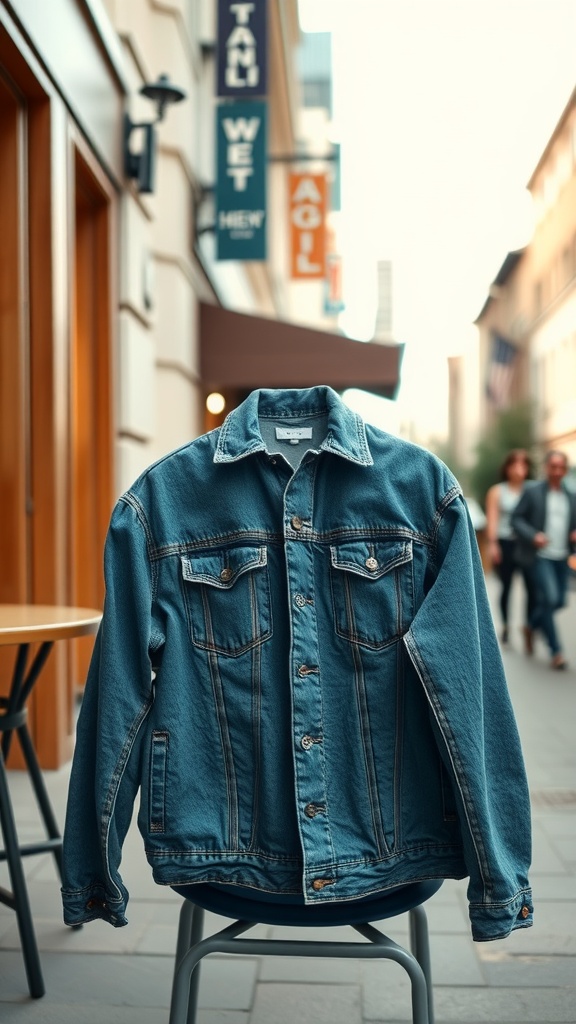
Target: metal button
[
  {"x": 319, "y": 883},
  {"x": 311, "y": 810},
  {"x": 305, "y": 670},
  {"x": 296, "y": 523},
  {"x": 300, "y": 600},
  {"x": 525, "y": 912},
  {"x": 226, "y": 575},
  {"x": 306, "y": 742},
  {"x": 371, "y": 564}
]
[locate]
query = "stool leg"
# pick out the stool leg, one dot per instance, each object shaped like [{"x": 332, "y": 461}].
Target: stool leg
[
  {"x": 189, "y": 934},
  {"x": 41, "y": 793},
  {"x": 184, "y": 930},
  {"x": 19, "y": 891},
  {"x": 418, "y": 981},
  {"x": 195, "y": 936},
  {"x": 420, "y": 946}
]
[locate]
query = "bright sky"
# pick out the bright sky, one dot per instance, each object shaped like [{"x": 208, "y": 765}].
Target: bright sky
[{"x": 443, "y": 108}]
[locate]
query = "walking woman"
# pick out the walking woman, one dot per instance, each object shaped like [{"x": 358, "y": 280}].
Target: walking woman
[{"x": 501, "y": 500}]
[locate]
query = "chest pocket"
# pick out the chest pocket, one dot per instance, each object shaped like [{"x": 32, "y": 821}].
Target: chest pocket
[
  {"x": 227, "y": 595},
  {"x": 372, "y": 590}
]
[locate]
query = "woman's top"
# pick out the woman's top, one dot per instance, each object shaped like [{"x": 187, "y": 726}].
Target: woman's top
[{"x": 507, "y": 501}]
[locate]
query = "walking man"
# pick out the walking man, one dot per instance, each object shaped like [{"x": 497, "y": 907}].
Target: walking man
[{"x": 544, "y": 521}]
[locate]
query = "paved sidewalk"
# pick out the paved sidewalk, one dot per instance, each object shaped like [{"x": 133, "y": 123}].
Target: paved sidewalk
[{"x": 101, "y": 975}]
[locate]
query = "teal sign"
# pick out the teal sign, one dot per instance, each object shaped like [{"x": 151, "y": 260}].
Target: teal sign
[{"x": 241, "y": 181}]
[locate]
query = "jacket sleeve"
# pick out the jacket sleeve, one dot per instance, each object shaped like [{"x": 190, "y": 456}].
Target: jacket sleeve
[
  {"x": 454, "y": 649},
  {"x": 117, "y": 698}
]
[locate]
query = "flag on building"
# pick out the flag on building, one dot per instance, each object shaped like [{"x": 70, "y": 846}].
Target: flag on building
[{"x": 500, "y": 370}]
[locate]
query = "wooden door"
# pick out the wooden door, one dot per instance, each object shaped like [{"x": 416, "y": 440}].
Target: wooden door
[
  {"x": 57, "y": 240},
  {"x": 14, "y": 411},
  {"x": 14, "y": 356},
  {"x": 91, "y": 388}
]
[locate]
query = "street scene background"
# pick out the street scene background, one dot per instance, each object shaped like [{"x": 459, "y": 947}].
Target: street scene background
[{"x": 378, "y": 196}]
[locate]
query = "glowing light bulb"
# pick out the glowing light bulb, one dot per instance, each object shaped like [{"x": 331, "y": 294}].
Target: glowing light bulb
[{"x": 215, "y": 403}]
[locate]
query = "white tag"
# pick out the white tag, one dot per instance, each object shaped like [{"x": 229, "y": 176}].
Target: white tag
[{"x": 293, "y": 434}]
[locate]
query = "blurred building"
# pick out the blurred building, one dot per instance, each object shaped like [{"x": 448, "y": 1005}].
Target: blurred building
[
  {"x": 383, "y": 325},
  {"x": 527, "y": 325},
  {"x": 552, "y": 284},
  {"x": 116, "y": 318}
]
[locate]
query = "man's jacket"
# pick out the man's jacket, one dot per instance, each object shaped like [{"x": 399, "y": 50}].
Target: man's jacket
[
  {"x": 529, "y": 518},
  {"x": 298, "y": 669}
]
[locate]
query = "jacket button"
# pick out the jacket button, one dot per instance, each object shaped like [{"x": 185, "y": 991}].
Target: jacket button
[
  {"x": 311, "y": 810},
  {"x": 226, "y": 575},
  {"x": 319, "y": 883},
  {"x": 306, "y": 742},
  {"x": 371, "y": 564},
  {"x": 296, "y": 523},
  {"x": 525, "y": 912}
]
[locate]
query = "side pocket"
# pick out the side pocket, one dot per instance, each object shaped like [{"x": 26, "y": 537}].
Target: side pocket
[{"x": 157, "y": 795}]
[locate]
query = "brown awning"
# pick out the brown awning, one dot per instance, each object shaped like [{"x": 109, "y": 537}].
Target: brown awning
[{"x": 246, "y": 352}]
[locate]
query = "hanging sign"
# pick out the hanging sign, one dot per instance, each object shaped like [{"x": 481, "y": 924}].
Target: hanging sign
[
  {"x": 333, "y": 300},
  {"x": 241, "y": 181},
  {"x": 307, "y": 194},
  {"x": 242, "y": 48}
]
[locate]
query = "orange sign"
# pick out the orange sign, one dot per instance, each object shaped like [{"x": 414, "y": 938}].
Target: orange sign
[{"x": 308, "y": 225}]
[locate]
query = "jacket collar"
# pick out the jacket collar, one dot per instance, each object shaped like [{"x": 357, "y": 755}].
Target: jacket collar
[{"x": 240, "y": 433}]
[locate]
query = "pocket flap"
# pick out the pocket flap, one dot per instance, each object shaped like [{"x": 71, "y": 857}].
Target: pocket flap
[
  {"x": 222, "y": 567},
  {"x": 371, "y": 560}
]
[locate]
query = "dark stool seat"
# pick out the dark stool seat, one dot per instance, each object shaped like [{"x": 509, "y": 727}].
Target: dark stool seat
[
  {"x": 247, "y": 912},
  {"x": 224, "y": 900}
]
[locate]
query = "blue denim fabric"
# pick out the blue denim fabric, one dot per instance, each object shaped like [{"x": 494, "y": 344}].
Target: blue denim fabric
[
  {"x": 297, "y": 666},
  {"x": 550, "y": 583}
]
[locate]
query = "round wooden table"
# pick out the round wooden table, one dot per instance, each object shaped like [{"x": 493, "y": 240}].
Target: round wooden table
[
  {"x": 26, "y": 623},
  {"x": 20, "y": 626}
]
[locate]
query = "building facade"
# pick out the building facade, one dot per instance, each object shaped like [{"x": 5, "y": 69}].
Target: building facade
[
  {"x": 110, "y": 338},
  {"x": 552, "y": 283},
  {"x": 527, "y": 326}
]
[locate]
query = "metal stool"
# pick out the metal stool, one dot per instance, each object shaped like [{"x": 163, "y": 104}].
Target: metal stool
[{"x": 191, "y": 947}]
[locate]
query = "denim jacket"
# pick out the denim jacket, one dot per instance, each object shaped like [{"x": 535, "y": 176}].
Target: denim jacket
[{"x": 298, "y": 669}]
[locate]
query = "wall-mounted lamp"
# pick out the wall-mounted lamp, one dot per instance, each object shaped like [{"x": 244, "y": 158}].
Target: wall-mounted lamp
[{"x": 142, "y": 165}]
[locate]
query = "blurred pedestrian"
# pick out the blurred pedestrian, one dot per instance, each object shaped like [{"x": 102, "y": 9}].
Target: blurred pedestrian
[
  {"x": 501, "y": 500},
  {"x": 545, "y": 523}
]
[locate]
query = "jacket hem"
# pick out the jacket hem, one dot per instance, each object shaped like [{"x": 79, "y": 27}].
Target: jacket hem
[{"x": 340, "y": 881}]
